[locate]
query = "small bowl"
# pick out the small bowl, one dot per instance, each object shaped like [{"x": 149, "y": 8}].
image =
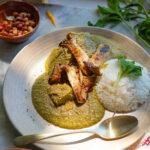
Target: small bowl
[{"x": 7, "y": 10}]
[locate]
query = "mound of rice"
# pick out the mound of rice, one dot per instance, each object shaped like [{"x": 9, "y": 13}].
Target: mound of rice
[{"x": 128, "y": 95}]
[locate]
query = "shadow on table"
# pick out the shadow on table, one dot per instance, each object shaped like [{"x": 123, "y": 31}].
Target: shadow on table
[
  {"x": 7, "y": 129},
  {"x": 9, "y": 50}
]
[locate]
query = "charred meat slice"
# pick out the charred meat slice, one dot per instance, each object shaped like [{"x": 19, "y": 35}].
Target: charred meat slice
[
  {"x": 98, "y": 58},
  {"x": 74, "y": 78},
  {"x": 81, "y": 77},
  {"x": 79, "y": 54},
  {"x": 80, "y": 84},
  {"x": 87, "y": 65},
  {"x": 88, "y": 82},
  {"x": 58, "y": 75}
]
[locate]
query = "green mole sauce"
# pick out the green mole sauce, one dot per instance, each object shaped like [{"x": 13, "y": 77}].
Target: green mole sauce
[{"x": 69, "y": 114}]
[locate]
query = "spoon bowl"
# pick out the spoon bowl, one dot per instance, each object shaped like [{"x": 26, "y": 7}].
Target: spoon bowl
[
  {"x": 110, "y": 129},
  {"x": 117, "y": 127}
]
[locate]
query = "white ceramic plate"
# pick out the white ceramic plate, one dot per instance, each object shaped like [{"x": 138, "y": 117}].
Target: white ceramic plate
[{"x": 29, "y": 64}]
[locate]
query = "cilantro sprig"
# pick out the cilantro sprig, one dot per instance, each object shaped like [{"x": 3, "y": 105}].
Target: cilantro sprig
[
  {"x": 125, "y": 11},
  {"x": 128, "y": 69}
]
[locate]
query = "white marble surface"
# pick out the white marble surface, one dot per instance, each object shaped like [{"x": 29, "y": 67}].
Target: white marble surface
[{"x": 66, "y": 16}]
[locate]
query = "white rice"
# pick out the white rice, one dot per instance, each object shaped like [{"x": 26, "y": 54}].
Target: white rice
[{"x": 128, "y": 95}]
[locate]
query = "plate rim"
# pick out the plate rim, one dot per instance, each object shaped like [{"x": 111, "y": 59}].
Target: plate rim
[{"x": 41, "y": 37}]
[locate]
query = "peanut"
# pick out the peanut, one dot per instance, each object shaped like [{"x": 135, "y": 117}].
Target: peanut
[{"x": 22, "y": 24}]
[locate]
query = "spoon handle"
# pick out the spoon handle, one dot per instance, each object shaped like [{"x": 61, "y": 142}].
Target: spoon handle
[{"x": 28, "y": 139}]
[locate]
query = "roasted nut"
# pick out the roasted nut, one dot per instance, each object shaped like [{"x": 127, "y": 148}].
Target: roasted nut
[
  {"x": 23, "y": 14},
  {"x": 10, "y": 34},
  {"x": 20, "y": 33},
  {"x": 30, "y": 28},
  {"x": 15, "y": 14},
  {"x": 28, "y": 15},
  {"x": 1, "y": 27},
  {"x": 15, "y": 31},
  {"x": 32, "y": 23},
  {"x": 22, "y": 24},
  {"x": 11, "y": 31},
  {"x": 25, "y": 28},
  {"x": 5, "y": 22},
  {"x": 25, "y": 32},
  {"x": 19, "y": 18},
  {"x": 25, "y": 19},
  {"x": 27, "y": 23},
  {"x": 4, "y": 33},
  {"x": 9, "y": 25}
]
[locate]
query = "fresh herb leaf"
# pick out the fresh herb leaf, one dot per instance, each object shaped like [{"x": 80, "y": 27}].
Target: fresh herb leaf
[
  {"x": 108, "y": 16},
  {"x": 103, "y": 22},
  {"x": 143, "y": 29},
  {"x": 117, "y": 13},
  {"x": 121, "y": 56},
  {"x": 104, "y": 11},
  {"x": 128, "y": 69},
  {"x": 90, "y": 23},
  {"x": 113, "y": 4},
  {"x": 132, "y": 1},
  {"x": 133, "y": 11}
]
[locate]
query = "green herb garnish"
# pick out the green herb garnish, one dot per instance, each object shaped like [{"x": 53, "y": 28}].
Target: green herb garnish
[
  {"x": 120, "y": 56},
  {"x": 125, "y": 11},
  {"x": 128, "y": 69},
  {"x": 143, "y": 29}
]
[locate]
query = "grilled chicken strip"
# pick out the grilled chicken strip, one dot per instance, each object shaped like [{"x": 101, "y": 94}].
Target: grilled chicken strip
[
  {"x": 88, "y": 82},
  {"x": 77, "y": 52},
  {"x": 74, "y": 78},
  {"x": 98, "y": 58},
  {"x": 80, "y": 84},
  {"x": 87, "y": 65},
  {"x": 81, "y": 79},
  {"x": 58, "y": 75}
]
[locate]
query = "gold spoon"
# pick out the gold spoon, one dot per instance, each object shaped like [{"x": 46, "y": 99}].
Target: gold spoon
[{"x": 110, "y": 129}]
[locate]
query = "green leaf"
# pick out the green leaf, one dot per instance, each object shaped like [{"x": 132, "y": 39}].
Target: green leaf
[
  {"x": 128, "y": 69},
  {"x": 113, "y": 4},
  {"x": 119, "y": 56},
  {"x": 104, "y": 21},
  {"x": 131, "y": 16},
  {"x": 132, "y": 1},
  {"x": 105, "y": 11},
  {"x": 134, "y": 6},
  {"x": 101, "y": 22},
  {"x": 143, "y": 30},
  {"x": 130, "y": 10},
  {"x": 90, "y": 23}
]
